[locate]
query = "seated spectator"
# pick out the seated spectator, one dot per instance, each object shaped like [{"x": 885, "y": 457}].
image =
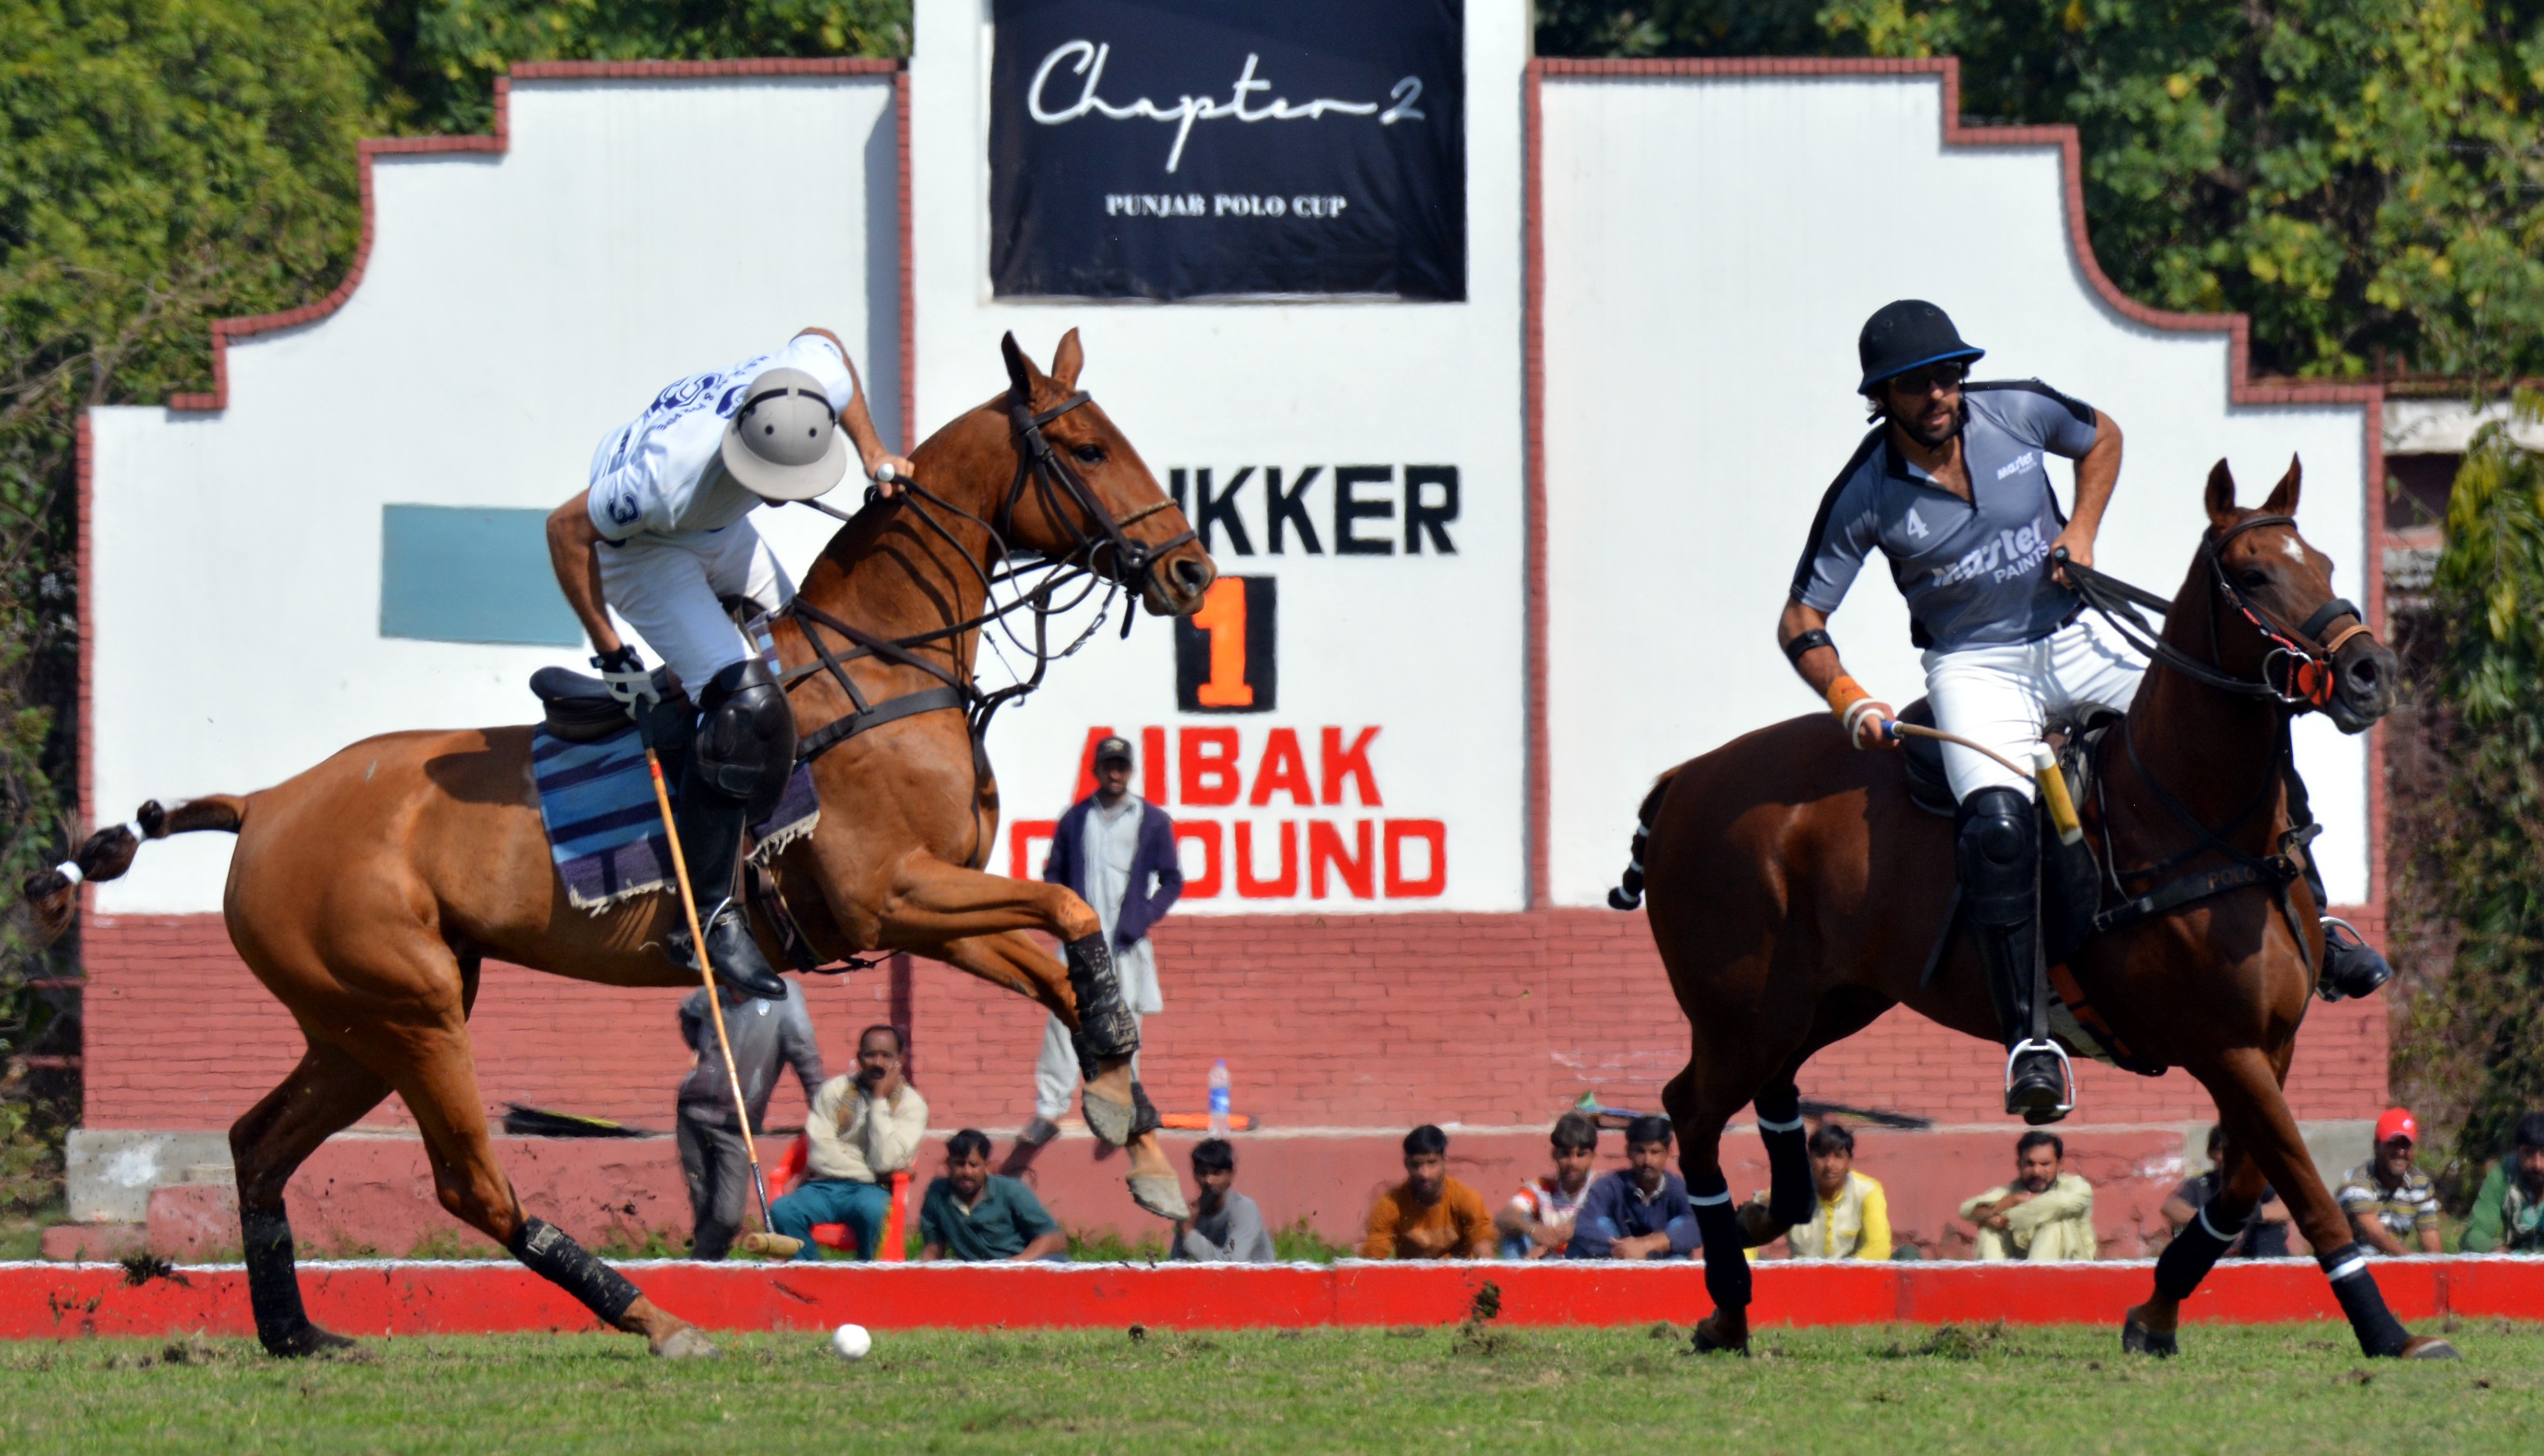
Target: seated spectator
[
  {"x": 973, "y": 1215},
  {"x": 1641, "y": 1213},
  {"x": 2265, "y": 1234},
  {"x": 1853, "y": 1219},
  {"x": 1225, "y": 1227},
  {"x": 863, "y": 1128},
  {"x": 1429, "y": 1215},
  {"x": 1536, "y": 1223},
  {"x": 2046, "y": 1213},
  {"x": 2387, "y": 1199},
  {"x": 2508, "y": 1213}
]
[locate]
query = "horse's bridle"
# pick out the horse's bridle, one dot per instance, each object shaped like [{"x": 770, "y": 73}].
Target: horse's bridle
[
  {"x": 2297, "y": 669},
  {"x": 1051, "y": 476}
]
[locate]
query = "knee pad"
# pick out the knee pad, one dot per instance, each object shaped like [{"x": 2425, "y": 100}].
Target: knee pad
[
  {"x": 1998, "y": 854},
  {"x": 746, "y": 744}
]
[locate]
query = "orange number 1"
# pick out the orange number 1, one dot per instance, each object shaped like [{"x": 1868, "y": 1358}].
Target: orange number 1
[{"x": 1223, "y": 616}]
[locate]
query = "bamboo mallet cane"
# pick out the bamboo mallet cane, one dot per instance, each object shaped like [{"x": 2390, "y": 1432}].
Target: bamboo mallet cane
[{"x": 706, "y": 974}]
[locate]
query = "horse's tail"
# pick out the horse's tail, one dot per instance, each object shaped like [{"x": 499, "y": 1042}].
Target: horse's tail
[
  {"x": 1629, "y": 892},
  {"x": 53, "y": 895}
]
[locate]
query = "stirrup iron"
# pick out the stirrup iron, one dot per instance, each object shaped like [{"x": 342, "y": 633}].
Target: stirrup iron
[{"x": 2066, "y": 1078}]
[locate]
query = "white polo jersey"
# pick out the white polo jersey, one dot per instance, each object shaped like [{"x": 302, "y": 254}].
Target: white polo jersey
[{"x": 662, "y": 474}]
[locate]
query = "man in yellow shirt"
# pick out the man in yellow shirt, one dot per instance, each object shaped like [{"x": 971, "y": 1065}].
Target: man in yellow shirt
[
  {"x": 1853, "y": 1220},
  {"x": 2046, "y": 1213}
]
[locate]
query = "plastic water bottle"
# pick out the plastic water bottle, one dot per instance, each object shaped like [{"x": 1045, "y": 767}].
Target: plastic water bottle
[{"x": 1219, "y": 1098}]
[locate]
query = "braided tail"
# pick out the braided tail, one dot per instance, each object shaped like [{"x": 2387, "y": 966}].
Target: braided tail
[
  {"x": 1629, "y": 893},
  {"x": 52, "y": 895}
]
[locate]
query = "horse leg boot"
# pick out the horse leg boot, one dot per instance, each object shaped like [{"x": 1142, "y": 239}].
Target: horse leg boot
[
  {"x": 2350, "y": 965},
  {"x": 1999, "y": 859},
  {"x": 1727, "y": 1264},
  {"x": 1117, "y": 1107},
  {"x": 738, "y": 768},
  {"x": 1791, "y": 1195},
  {"x": 324, "y": 1095}
]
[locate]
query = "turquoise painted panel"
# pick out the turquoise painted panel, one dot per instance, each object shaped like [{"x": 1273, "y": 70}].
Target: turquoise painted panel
[{"x": 471, "y": 573}]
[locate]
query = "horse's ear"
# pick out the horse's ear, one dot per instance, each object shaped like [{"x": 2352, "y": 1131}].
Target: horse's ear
[
  {"x": 1067, "y": 360},
  {"x": 2284, "y": 500},
  {"x": 2221, "y": 496},
  {"x": 1020, "y": 370}
]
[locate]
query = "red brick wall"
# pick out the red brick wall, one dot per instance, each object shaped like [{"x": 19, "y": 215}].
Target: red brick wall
[{"x": 1335, "y": 1021}]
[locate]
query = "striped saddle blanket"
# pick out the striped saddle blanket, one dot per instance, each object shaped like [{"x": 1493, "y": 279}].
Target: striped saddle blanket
[{"x": 605, "y": 831}]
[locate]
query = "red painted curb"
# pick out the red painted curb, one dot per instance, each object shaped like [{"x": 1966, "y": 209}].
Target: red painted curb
[{"x": 62, "y": 1301}]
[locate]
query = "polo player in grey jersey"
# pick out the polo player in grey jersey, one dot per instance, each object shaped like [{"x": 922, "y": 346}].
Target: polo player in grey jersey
[{"x": 1953, "y": 486}]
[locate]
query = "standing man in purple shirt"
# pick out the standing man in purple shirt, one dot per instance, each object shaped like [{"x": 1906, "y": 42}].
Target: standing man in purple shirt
[{"x": 1117, "y": 852}]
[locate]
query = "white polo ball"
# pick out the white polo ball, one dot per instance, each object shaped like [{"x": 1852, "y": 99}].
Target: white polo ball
[{"x": 851, "y": 1342}]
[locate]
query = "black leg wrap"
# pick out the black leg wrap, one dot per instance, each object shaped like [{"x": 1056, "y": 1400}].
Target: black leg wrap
[
  {"x": 272, "y": 1281},
  {"x": 1789, "y": 1193},
  {"x": 1105, "y": 1024},
  {"x": 563, "y": 1263},
  {"x": 1726, "y": 1260},
  {"x": 2378, "y": 1331},
  {"x": 2191, "y": 1254},
  {"x": 1144, "y": 1114}
]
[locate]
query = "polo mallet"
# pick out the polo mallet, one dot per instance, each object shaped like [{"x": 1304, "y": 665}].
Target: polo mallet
[{"x": 706, "y": 974}]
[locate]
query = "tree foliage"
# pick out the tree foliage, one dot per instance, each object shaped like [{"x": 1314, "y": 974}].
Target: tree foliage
[
  {"x": 2365, "y": 178},
  {"x": 2469, "y": 1042}
]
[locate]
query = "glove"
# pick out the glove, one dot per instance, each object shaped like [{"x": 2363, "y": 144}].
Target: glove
[
  {"x": 623, "y": 671},
  {"x": 1858, "y": 710}
]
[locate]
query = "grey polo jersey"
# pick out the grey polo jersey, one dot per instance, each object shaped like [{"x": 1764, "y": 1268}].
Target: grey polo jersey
[{"x": 1975, "y": 573}]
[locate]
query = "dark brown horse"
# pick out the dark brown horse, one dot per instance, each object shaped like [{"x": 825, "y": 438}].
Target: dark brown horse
[
  {"x": 366, "y": 892},
  {"x": 1795, "y": 893}
]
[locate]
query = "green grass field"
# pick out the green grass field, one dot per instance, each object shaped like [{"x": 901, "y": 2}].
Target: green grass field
[{"x": 1887, "y": 1389}]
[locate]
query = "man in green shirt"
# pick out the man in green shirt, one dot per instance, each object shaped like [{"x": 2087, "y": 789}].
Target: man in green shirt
[
  {"x": 2508, "y": 1213},
  {"x": 972, "y": 1215}
]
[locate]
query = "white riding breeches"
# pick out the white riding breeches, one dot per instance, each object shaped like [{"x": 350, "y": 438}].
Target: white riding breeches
[
  {"x": 670, "y": 590},
  {"x": 2001, "y": 696}
]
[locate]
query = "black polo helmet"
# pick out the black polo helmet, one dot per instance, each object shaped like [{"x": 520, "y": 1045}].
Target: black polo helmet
[{"x": 1905, "y": 336}]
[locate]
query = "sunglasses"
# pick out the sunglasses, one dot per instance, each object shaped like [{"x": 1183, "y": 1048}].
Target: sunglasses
[{"x": 1944, "y": 377}]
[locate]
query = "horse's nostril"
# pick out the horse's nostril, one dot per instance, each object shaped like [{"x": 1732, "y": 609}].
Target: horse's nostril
[
  {"x": 1191, "y": 575},
  {"x": 2364, "y": 674}
]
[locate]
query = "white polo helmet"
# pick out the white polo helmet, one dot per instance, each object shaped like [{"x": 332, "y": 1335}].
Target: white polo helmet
[{"x": 784, "y": 441}]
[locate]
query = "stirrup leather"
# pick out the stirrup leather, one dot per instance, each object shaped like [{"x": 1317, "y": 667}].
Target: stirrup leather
[{"x": 2066, "y": 1071}]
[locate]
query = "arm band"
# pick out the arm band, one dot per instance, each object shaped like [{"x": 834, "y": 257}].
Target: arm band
[{"x": 1803, "y": 644}]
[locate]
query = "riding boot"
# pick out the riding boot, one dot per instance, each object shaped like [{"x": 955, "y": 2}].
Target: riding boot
[
  {"x": 738, "y": 766},
  {"x": 710, "y": 844},
  {"x": 2350, "y": 965},
  {"x": 1999, "y": 859}
]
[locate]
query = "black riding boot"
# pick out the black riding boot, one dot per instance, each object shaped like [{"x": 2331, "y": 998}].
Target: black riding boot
[
  {"x": 1999, "y": 857},
  {"x": 744, "y": 749},
  {"x": 2350, "y": 965}
]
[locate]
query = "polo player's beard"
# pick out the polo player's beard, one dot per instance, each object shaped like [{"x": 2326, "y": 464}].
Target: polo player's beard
[{"x": 1938, "y": 439}]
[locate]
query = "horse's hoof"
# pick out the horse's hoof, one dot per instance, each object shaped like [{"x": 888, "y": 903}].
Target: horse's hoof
[
  {"x": 2427, "y": 1348},
  {"x": 1162, "y": 1197},
  {"x": 309, "y": 1341},
  {"x": 1710, "y": 1340},
  {"x": 689, "y": 1342},
  {"x": 1110, "y": 1122},
  {"x": 2137, "y": 1340}
]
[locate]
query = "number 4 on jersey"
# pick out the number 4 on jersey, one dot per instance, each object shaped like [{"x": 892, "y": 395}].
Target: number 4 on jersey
[{"x": 1225, "y": 657}]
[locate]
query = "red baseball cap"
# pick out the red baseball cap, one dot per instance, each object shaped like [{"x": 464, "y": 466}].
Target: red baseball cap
[{"x": 2396, "y": 1123}]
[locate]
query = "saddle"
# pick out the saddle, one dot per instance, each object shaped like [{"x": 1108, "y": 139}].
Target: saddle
[
  {"x": 2071, "y": 878},
  {"x": 579, "y": 710}
]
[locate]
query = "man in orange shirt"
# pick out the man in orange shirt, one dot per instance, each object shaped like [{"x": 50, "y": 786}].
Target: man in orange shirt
[{"x": 1429, "y": 1215}]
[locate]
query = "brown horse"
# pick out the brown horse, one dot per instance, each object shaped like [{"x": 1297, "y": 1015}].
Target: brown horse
[
  {"x": 366, "y": 892},
  {"x": 1795, "y": 893}
]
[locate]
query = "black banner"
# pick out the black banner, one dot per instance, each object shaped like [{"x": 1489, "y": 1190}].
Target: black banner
[{"x": 1190, "y": 148}]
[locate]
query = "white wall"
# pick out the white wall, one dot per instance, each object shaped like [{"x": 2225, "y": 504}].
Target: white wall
[
  {"x": 1429, "y": 649},
  {"x": 515, "y": 308},
  {"x": 1712, "y": 245}
]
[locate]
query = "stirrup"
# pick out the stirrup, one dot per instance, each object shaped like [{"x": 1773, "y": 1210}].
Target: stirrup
[
  {"x": 2331, "y": 990},
  {"x": 2066, "y": 1080}
]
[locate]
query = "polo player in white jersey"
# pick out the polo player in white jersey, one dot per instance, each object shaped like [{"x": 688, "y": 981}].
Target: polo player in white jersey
[
  {"x": 663, "y": 536},
  {"x": 1951, "y": 486}
]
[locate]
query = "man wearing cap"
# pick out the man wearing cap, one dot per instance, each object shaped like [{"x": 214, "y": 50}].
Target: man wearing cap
[
  {"x": 1117, "y": 852},
  {"x": 1953, "y": 484},
  {"x": 663, "y": 536},
  {"x": 2387, "y": 1199}
]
